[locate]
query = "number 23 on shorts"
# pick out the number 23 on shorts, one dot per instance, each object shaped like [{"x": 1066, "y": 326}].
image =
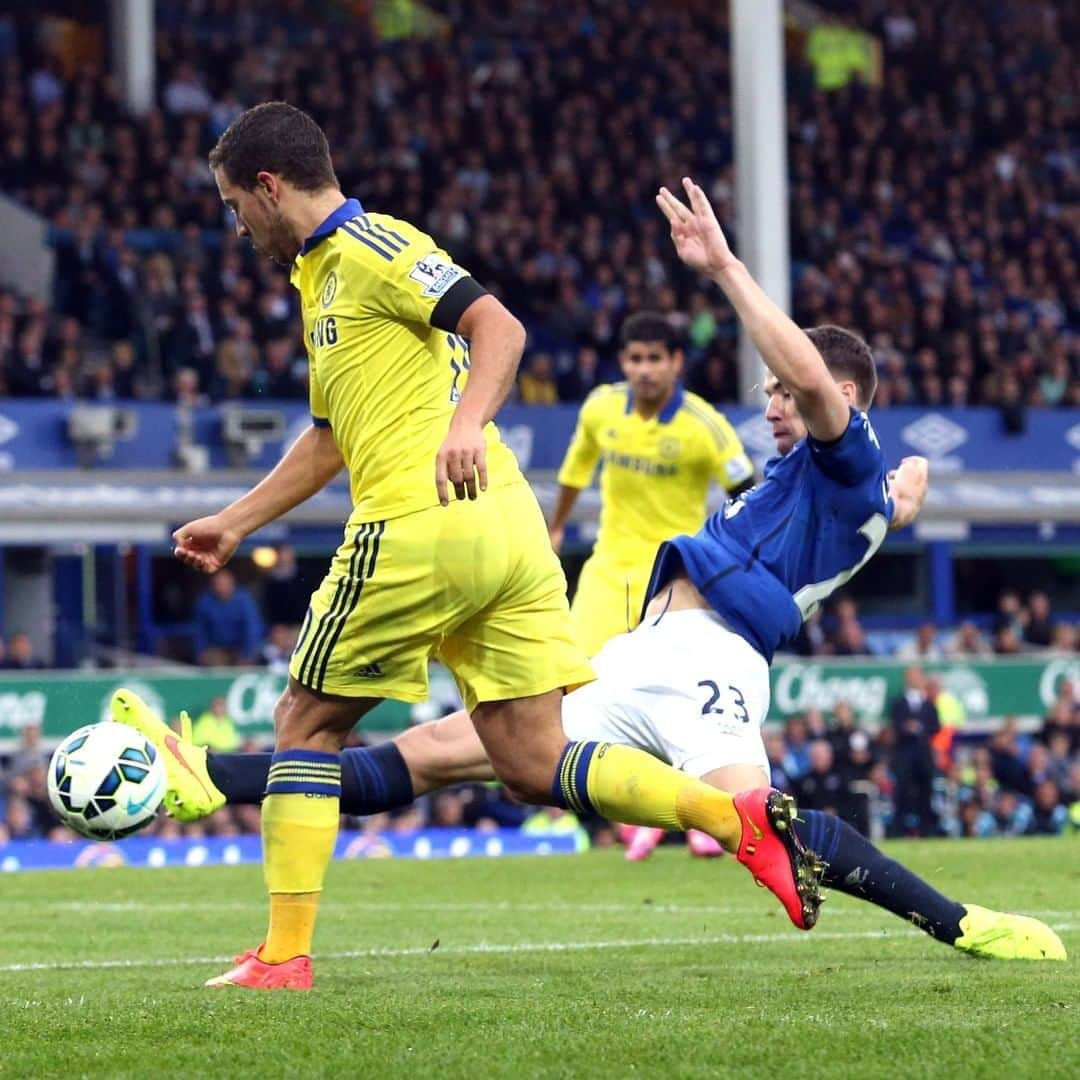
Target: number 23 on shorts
[{"x": 735, "y": 700}]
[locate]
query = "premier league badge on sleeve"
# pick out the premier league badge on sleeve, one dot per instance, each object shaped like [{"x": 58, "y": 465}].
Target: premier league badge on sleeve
[{"x": 435, "y": 274}]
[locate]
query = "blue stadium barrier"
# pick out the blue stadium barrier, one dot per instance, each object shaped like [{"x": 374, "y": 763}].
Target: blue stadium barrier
[{"x": 149, "y": 851}]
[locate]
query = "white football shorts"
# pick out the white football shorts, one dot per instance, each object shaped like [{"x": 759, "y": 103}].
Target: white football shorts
[{"x": 681, "y": 686}]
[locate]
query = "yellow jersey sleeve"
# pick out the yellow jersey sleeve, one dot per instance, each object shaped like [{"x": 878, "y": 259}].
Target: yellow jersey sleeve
[
  {"x": 583, "y": 453},
  {"x": 409, "y": 276},
  {"x": 730, "y": 464}
]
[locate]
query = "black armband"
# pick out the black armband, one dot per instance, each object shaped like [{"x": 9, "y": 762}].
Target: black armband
[{"x": 448, "y": 311}]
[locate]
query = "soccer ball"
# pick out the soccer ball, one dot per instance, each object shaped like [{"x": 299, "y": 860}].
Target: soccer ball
[{"x": 106, "y": 781}]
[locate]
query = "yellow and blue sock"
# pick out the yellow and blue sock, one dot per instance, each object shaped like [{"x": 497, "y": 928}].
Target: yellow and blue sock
[
  {"x": 624, "y": 784},
  {"x": 299, "y": 826}
]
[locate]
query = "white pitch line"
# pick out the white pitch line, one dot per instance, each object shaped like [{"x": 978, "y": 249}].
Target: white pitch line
[
  {"x": 487, "y": 948},
  {"x": 123, "y": 906}
]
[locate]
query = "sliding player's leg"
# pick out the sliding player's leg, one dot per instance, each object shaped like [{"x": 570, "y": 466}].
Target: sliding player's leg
[
  {"x": 374, "y": 779},
  {"x": 856, "y": 867}
]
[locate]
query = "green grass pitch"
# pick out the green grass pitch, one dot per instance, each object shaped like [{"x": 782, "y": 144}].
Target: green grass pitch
[{"x": 577, "y": 966}]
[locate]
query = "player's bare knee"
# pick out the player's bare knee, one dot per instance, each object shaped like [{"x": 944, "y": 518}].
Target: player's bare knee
[
  {"x": 302, "y": 722},
  {"x": 524, "y": 781}
]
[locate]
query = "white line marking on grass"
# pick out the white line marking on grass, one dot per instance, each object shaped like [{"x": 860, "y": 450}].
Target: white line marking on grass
[
  {"x": 106, "y": 906},
  {"x": 487, "y": 948}
]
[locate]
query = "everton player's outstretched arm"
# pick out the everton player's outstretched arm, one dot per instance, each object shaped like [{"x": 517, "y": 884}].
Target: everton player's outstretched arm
[{"x": 789, "y": 354}]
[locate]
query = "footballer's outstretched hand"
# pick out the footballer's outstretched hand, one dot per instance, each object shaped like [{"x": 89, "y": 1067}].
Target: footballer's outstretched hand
[
  {"x": 698, "y": 238},
  {"x": 206, "y": 543}
]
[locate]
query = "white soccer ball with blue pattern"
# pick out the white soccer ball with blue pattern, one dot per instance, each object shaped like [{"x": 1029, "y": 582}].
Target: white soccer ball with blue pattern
[{"x": 106, "y": 781}]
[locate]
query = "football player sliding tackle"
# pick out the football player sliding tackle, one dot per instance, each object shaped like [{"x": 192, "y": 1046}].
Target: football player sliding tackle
[{"x": 690, "y": 685}]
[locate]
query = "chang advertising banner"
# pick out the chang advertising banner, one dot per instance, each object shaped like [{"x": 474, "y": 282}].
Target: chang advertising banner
[
  {"x": 62, "y": 701},
  {"x": 59, "y": 703}
]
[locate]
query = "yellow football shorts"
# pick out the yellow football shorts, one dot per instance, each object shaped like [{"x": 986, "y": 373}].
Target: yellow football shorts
[
  {"x": 608, "y": 600},
  {"x": 475, "y": 584}
]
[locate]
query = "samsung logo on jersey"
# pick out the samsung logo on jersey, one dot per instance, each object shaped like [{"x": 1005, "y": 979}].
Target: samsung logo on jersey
[{"x": 640, "y": 465}]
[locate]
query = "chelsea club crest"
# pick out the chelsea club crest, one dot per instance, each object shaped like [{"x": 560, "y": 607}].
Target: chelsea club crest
[{"x": 329, "y": 289}]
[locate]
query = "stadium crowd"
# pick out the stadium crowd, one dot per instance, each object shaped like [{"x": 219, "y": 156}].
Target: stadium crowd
[{"x": 531, "y": 148}]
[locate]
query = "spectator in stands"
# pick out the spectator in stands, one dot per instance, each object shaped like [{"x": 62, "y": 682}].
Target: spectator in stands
[
  {"x": 536, "y": 384},
  {"x": 1013, "y": 815},
  {"x": 1039, "y": 630},
  {"x": 1063, "y": 718},
  {"x": 945, "y": 239},
  {"x": 1007, "y": 759},
  {"x": 277, "y": 651},
  {"x": 29, "y": 754},
  {"x": 923, "y": 646},
  {"x": 796, "y": 762},
  {"x": 825, "y": 785},
  {"x": 215, "y": 728},
  {"x": 1050, "y": 814},
  {"x": 20, "y": 654},
  {"x": 914, "y": 724},
  {"x": 1064, "y": 638},
  {"x": 968, "y": 643},
  {"x": 228, "y": 626},
  {"x": 847, "y": 637},
  {"x": 776, "y": 750},
  {"x": 850, "y": 743},
  {"x": 1011, "y": 616},
  {"x": 951, "y": 716},
  {"x": 1057, "y": 764},
  {"x": 284, "y": 592},
  {"x": 1006, "y": 641}
]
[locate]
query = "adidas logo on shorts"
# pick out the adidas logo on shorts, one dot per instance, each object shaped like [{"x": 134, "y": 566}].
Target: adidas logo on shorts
[{"x": 368, "y": 671}]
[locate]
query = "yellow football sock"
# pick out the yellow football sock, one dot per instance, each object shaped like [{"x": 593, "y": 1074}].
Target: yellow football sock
[
  {"x": 624, "y": 784},
  {"x": 299, "y": 832},
  {"x": 292, "y": 926}
]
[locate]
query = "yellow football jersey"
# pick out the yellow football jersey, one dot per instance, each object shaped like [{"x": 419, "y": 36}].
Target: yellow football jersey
[
  {"x": 380, "y": 302},
  {"x": 656, "y": 473}
]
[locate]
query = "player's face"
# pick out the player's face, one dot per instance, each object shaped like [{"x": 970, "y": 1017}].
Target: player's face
[
  {"x": 258, "y": 217},
  {"x": 783, "y": 417},
  {"x": 651, "y": 369}
]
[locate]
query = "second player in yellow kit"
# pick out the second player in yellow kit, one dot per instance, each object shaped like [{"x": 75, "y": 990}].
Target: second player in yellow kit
[
  {"x": 660, "y": 448},
  {"x": 410, "y": 575}
]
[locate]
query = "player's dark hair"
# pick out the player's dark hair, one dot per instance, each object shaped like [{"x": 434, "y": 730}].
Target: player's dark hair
[
  {"x": 847, "y": 356},
  {"x": 278, "y": 138},
  {"x": 649, "y": 326}
]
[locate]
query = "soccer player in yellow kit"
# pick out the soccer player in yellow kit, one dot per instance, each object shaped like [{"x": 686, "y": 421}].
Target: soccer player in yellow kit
[
  {"x": 409, "y": 361},
  {"x": 660, "y": 447}
]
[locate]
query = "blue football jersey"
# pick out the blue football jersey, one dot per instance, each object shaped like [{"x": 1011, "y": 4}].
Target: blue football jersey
[{"x": 768, "y": 559}]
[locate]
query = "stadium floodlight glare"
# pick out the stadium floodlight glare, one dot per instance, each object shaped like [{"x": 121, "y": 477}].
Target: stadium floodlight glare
[
  {"x": 246, "y": 430},
  {"x": 94, "y": 429}
]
